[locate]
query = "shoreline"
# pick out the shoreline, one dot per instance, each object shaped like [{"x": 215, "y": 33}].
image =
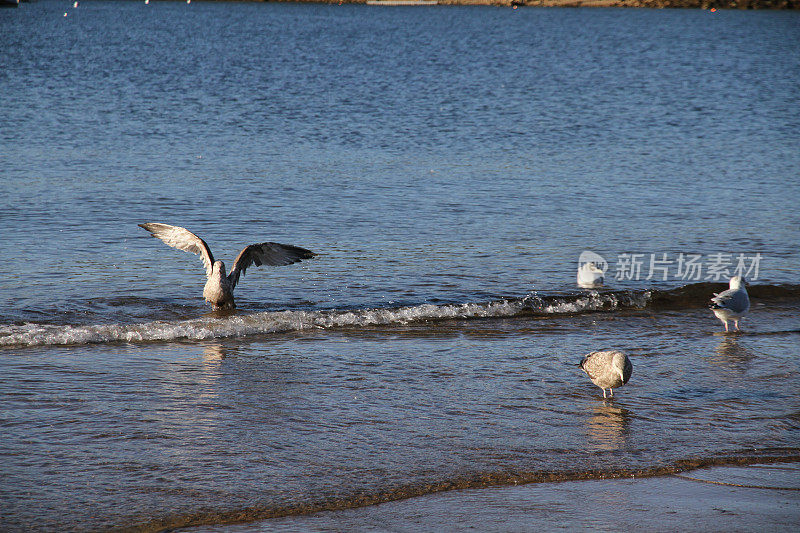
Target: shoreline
[
  {"x": 460, "y": 500},
  {"x": 719, "y": 498}
]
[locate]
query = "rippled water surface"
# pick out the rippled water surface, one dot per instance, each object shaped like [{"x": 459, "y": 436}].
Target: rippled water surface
[{"x": 448, "y": 166}]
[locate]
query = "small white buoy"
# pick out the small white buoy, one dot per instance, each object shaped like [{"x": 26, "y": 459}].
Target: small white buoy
[
  {"x": 75, "y": 4},
  {"x": 146, "y": 2}
]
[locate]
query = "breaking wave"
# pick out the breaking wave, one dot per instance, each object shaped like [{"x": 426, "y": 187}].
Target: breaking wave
[{"x": 238, "y": 325}]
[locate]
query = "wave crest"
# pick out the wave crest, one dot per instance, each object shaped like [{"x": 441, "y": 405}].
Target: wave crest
[{"x": 210, "y": 327}]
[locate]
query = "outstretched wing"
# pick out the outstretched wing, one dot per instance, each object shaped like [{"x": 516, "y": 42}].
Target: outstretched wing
[
  {"x": 266, "y": 253},
  {"x": 182, "y": 239}
]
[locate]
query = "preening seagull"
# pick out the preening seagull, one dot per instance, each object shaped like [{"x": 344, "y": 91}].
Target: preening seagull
[
  {"x": 733, "y": 303},
  {"x": 607, "y": 370},
  {"x": 219, "y": 287},
  {"x": 590, "y": 276}
]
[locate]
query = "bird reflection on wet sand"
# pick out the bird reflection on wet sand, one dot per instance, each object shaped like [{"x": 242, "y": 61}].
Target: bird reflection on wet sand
[
  {"x": 209, "y": 373},
  {"x": 213, "y": 352},
  {"x": 731, "y": 357},
  {"x": 607, "y": 429}
]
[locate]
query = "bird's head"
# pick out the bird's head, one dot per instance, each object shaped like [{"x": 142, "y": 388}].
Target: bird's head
[
  {"x": 219, "y": 267},
  {"x": 738, "y": 282}
]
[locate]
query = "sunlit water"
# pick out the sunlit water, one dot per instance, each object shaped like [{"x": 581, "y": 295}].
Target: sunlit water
[{"x": 449, "y": 166}]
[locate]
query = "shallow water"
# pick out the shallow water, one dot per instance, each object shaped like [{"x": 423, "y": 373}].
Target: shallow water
[
  {"x": 630, "y": 504},
  {"x": 449, "y": 166}
]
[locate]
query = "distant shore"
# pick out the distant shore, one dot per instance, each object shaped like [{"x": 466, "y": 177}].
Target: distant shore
[{"x": 657, "y": 4}]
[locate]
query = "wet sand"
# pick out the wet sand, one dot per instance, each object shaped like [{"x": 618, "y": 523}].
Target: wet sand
[{"x": 737, "y": 498}]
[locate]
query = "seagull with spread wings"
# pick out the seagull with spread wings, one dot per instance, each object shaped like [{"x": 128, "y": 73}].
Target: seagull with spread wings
[{"x": 219, "y": 287}]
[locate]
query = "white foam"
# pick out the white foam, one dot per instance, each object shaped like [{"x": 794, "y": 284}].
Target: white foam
[{"x": 284, "y": 321}]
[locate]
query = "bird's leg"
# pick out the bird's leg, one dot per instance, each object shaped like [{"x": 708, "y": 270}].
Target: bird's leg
[
  {"x": 726, "y": 326},
  {"x": 736, "y": 323},
  {"x": 604, "y": 393},
  {"x": 612, "y": 392}
]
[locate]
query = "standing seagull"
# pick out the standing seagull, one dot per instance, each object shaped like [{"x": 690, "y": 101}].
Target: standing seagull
[
  {"x": 733, "y": 303},
  {"x": 219, "y": 287},
  {"x": 607, "y": 370}
]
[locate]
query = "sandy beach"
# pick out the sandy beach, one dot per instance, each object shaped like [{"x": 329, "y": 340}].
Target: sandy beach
[{"x": 727, "y": 498}]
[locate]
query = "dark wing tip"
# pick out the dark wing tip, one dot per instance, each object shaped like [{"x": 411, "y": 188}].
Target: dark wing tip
[
  {"x": 302, "y": 253},
  {"x": 292, "y": 253},
  {"x": 152, "y": 227}
]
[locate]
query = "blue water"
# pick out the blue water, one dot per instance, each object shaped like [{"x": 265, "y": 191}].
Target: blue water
[{"x": 448, "y": 165}]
